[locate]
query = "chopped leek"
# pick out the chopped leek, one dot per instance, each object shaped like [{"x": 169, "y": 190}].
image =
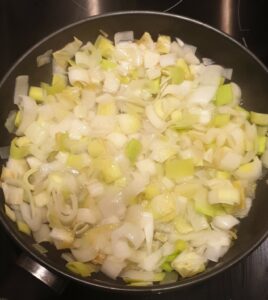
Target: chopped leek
[
  {"x": 104, "y": 45},
  {"x": 80, "y": 268},
  {"x": 163, "y": 44}
]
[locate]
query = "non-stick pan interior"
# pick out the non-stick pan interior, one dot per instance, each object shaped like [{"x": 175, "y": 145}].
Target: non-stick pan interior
[{"x": 248, "y": 73}]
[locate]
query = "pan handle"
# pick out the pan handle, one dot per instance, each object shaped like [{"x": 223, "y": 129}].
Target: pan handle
[{"x": 29, "y": 279}]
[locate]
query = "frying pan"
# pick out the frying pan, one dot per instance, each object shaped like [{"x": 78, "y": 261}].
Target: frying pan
[{"x": 250, "y": 74}]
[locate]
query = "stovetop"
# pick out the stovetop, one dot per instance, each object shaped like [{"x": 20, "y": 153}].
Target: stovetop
[{"x": 23, "y": 23}]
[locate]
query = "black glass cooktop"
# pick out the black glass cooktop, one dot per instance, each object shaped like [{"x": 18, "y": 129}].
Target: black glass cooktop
[{"x": 24, "y": 22}]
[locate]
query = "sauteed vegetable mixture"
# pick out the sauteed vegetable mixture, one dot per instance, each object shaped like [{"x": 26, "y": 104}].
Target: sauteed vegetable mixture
[{"x": 136, "y": 160}]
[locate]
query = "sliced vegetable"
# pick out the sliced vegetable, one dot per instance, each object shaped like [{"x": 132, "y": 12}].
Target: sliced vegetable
[
  {"x": 37, "y": 93},
  {"x": 133, "y": 149},
  {"x": 81, "y": 269},
  {"x": 136, "y": 158},
  {"x": 163, "y": 44},
  {"x": 259, "y": 118},
  {"x": 105, "y": 46},
  {"x": 224, "y": 95},
  {"x": 188, "y": 264},
  {"x": 179, "y": 168}
]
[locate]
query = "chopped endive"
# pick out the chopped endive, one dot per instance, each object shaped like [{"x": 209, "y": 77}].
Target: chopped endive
[
  {"x": 188, "y": 264},
  {"x": 142, "y": 283},
  {"x": 132, "y": 276},
  {"x": 77, "y": 161},
  {"x": 163, "y": 44},
  {"x": 129, "y": 123},
  {"x": 221, "y": 120},
  {"x": 202, "y": 205},
  {"x": 250, "y": 171},
  {"x": 262, "y": 130},
  {"x": 78, "y": 76},
  {"x": 65, "y": 143},
  {"x": 107, "y": 64},
  {"x": 105, "y": 46},
  {"x": 96, "y": 147},
  {"x": 188, "y": 189},
  {"x": 223, "y": 175},
  {"x": 151, "y": 191},
  {"x": 153, "y": 86},
  {"x": 259, "y": 118},
  {"x": 124, "y": 79},
  {"x": 80, "y": 268},
  {"x": 21, "y": 88},
  {"x": 243, "y": 112},
  {"x": 58, "y": 84},
  {"x": 61, "y": 57},
  {"x": 224, "y": 95},
  {"x": 82, "y": 58},
  {"x": 180, "y": 245},
  {"x": 185, "y": 121},
  {"x": 37, "y": 93},
  {"x": 237, "y": 184},
  {"x": 18, "y": 152},
  {"x": 17, "y": 119},
  {"x": 151, "y": 59},
  {"x": 123, "y": 36},
  {"x": 179, "y": 168},
  {"x": 63, "y": 236},
  {"x": 41, "y": 199},
  {"x": 176, "y": 74},
  {"x": 10, "y": 213},
  {"x": 146, "y": 40},
  {"x": 13, "y": 195},
  {"x": 23, "y": 227},
  {"x": 224, "y": 195},
  {"x": 166, "y": 266},
  {"x": 181, "y": 63},
  {"x": 163, "y": 207},
  {"x": 107, "y": 109},
  {"x": 261, "y": 144},
  {"x": 158, "y": 107},
  {"x": 133, "y": 149},
  {"x": 110, "y": 170}
]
